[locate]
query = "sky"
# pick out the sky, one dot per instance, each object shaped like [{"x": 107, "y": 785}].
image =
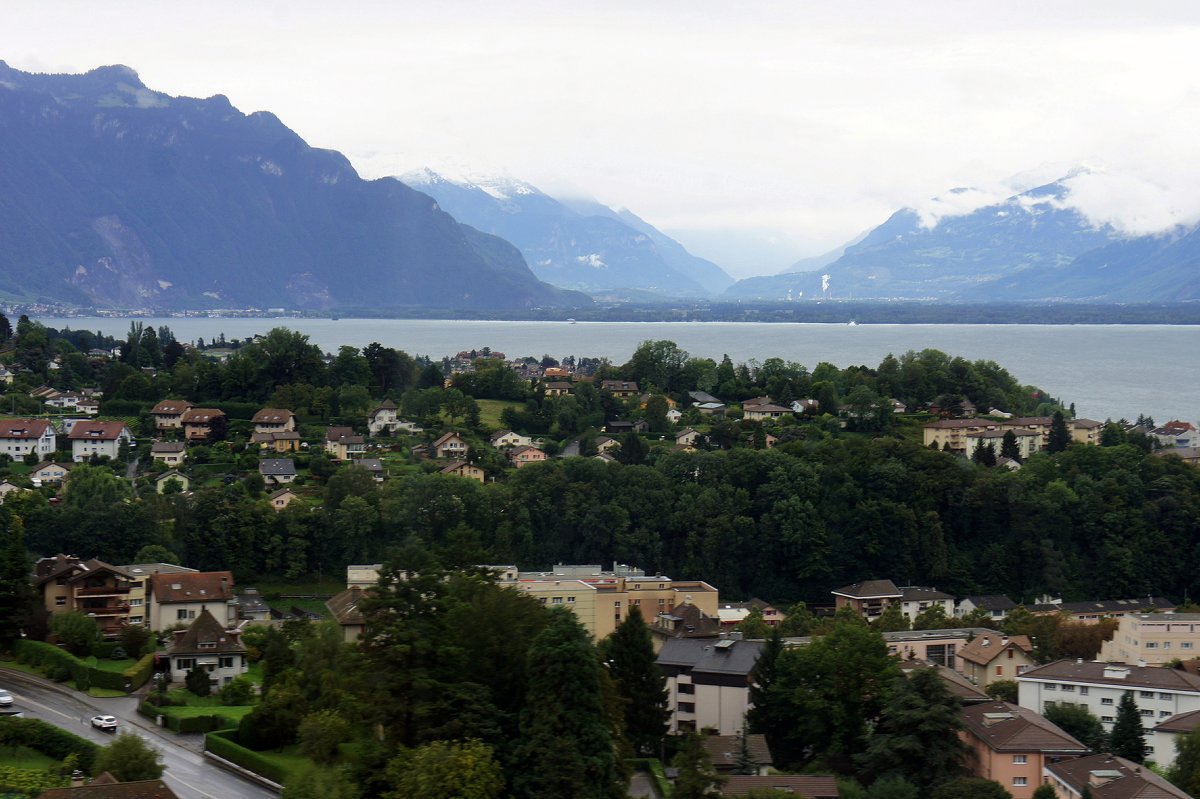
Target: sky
[{"x": 756, "y": 133}]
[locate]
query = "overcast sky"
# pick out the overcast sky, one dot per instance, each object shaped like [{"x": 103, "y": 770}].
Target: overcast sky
[{"x": 756, "y": 133}]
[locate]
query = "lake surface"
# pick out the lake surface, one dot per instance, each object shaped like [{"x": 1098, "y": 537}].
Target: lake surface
[{"x": 1108, "y": 371}]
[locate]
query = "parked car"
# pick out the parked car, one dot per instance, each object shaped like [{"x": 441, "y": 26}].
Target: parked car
[
  {"x": 104, "y": 722},
  {"x": 6, "y": 699}
]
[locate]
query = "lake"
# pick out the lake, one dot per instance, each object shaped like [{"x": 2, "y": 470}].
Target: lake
[{"x": 1108, "y": 371}]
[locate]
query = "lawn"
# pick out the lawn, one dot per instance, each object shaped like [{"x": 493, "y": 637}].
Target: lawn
[
  {"x": 490, "y": 410},
  {"x": 234, "y": 712},
  {"x": 24, "y": 757},
  {"x": 107, "y": 664},
  {"x": 311, "y": 605}
]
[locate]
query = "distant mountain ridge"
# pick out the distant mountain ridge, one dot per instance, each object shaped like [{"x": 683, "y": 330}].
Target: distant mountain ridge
[
  {"x": 1030, "y": 246},
  {"x": 115, "y": 195},
  {"x": 575, "y": 243}
]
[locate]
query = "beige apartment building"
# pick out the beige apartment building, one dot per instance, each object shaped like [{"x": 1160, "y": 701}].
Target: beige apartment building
[
  {"x": 964, "y": 434},
  {"x": 1153, "y": 638}
]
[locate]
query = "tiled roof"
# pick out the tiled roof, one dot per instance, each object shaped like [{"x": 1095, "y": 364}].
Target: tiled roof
[
  {"x": 205, "y": 634},
  {"x": 1118, "y": 778},
  {"x": 453, "y": 467},
  {"x": 986, "y": 648},
  {"x": 724, "y": 749},
  {"x": 992, "y": 602},
  {"x": 168, "y": 446},
  {"x": 953, "y": 424},
  {"x": 1006, "y": 727},
  {"x": 281, "y": 492},
  {"x": 869, "y": 588},
  {"x": 272, "y": 416},
  {"x": 1180, "y": 722},
  {"x": 170, "y": 408},
  {"x": 446, "y": 437},
  {"x": 344, "y": 606},
  {"x": 959, "y": 686},
  {"x": 918, "y": 593},
  {"x": 711, "y": 656},
  {"x": 192, "y": 587},
  {"x": 23, "y": 429},
  {"x": 97, "y": 431},
  {"x": 201, "y": 415},
  {"x": 142, "y": 789},
  {"x": 1094, "y": 672}
]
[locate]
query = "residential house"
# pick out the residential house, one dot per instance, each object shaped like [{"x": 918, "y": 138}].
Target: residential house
[
  {"x": 1012, "y": 745},
  {"x": 98, "y": 439},
  {"x": 277, "y": 471},
  {"x": 915, "y": 599},
  {"x": 374, "y": 466},
  {"x": 898, "y": 406},
  {"x": 44, "y": 393},
  {"x": 274, "y": 420},
  {"x": 806, "y": 407},
  {"x": 601, "y": 599},
  {"x": 344, "y": 608},
  {"x": 463, "y": 469},
  {"x": 172, "y": 453},
  {"x": 91, "y": 587},
  {"x": 88, "y": 407},
  {"x": 50, "y": 473},
  {"x": 605, "y": 443},
  {"x": 699, "y": 397},
  {"x": 557, "y": 388},
  {"x": 163, "y": 480},
  {"x": 1159, "y": 693},
  {"x": 809, "y": 786},
  {"x": 1092, "y": 611},
  {"x": 1163, "y": 737},
  {"x": 343, "y": 444},
  {"x": 451, "y": 445},
  {"x": 209, "y": 644},
  {"x": 507, "y": 438},
  {"x": 688, "y": 437},
  {"x": 764, "y": 412},
  {"x": 1028, "y": 441},
  {"x": 619, "y": 388},
  {"x": 756, "y": 402},
  {"x": 281, "y": 498},
  {"x": 731, "y": 614},
  {"x": 724, "y": 751},
  {"x": 139, "y": 576},
  {"x": 1107, "y": 776},
  {"x": 996, "y": 606},
  {"x": 686, "y": 621},
  {"x": 181, "y": 596},
  {"x": 1153, "y": 638},
  {"x": 19, "y": 437},
  {"x": 954, "y": 432},
  {"x": 1086, "y": 431},
  {"x": 959, "y": 686},
  {"x": 383, "y": 419},
  {"x": 7, "y": 375},
  {"x": 203, "y": 424},
  {"x": 674, "y": 415},
  {"x": 1186, "y": 454},
  {"x": 65, "y": 401},
  {"x": 1176, "y": 434},
  {"x": 710, "y": 408},
  {"x": 9, "y": 487},
  {"x": 994, "y": 656},
  {"x": 277, "y": 441},
  {"x": 623, "y": 427},
  {"x": 168, "y": 414},
  {"x": 708, "y": 682},
  {"x": 525, "y": 455},
  {"x": 106, "y": 786},
  {"x": 869, "y": 598},
  {"x": 936, "y": 646}
]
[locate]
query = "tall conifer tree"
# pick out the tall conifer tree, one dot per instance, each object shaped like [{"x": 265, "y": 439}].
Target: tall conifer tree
[
  {"x": 1128, "y": 739},
  {"x": 642, "y": 686}
]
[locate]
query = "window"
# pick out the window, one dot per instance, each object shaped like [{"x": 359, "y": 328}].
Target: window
[
  {"x": 1106, "y": 700},
  {"x": 1146, "y": 712},
  {"x": 1020, "y": 760},
  {"x": 1051, "y": 686},
  {"x": 1020, "y": 781},
  {"x": 1107, "y": 719},
  {"x": 1146, "y": 694},
  {"x": 556, "y": 600},
  {"x": 687, "y": 707},
  {"x": 1186, "y": 645},
  {"x": 1010, "y": 654},
  {"x": 1070, "y": 688},
  {"x": 1083, "y": 690},
  {"x": 1167, "y": 697},
  {"x": 1162, "y": 714},
  {"x": 1151, "y": 645},
  {"x": 135, "y": 603},
  {"x": 181, "y": 615},
  {"x": 60, "y": 600},
  {"x": 207, "y": 645},
  {"x": 185, "y": 664},
  {"x": 227, "y": 662},
  {"x": 999, "y": 671},
  {"x": 686, "y": 688},
  {"x": 570, "y": 600}
]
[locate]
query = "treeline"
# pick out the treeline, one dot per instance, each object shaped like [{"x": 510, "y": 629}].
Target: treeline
[{"x": 785, "y": 524}]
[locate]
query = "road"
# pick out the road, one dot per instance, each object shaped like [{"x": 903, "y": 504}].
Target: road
[{"x": 187, "y": 772}]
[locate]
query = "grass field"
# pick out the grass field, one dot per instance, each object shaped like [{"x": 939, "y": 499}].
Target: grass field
[
  {"x": 489, "y": 411},
  {"x": 106, "y": 664},
  {"x": 24, "y": 757}
]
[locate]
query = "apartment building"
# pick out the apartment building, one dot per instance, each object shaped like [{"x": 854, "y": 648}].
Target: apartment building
[
  {"x": 1153, "y": 638},
  {"x": 1013, "y": 745},
  {"x": 708, "y": 682}
]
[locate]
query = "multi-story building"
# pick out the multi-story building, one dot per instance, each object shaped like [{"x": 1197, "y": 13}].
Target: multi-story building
[
  {"x": 168, "y": 414},
  {"x": 19, "y": 437},
  {"x": 1107, "y": 777},
  {"x": 180, "y": 597},
  {"x": 1159, "y": 693},
  {"x": 139, "y": 576},
  {"x": 936, "y": 646},
  {"x": 274, "y": 420},
  {"x": 916, "y": 599},
  {"x": 996, "y": 606},
  {"x": 869, "y": 598},
  {"x": 203, "y": 424},
  {"x": 1092, "y": 611},
  {"x": 1153, "y": 638},
  {"x": 383, "y": 418},
  {"x": 342, "y": 443},
  {"x": 708, "y": 682},
  {"x": 1012, "y": 745},
  {"x": 91, "y": 587},
  {"x": 98, "y": 439}
]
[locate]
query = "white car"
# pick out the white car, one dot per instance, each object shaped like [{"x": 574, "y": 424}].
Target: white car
[
  {"x": 6, "y": 699},
  {"x": 104, "y": 722}
]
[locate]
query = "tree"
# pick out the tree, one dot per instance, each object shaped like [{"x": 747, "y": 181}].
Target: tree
[
  {"x": 317, "y": 782},
  {"x": 697, "y": 776},
  {"x": 78, "y": 632},
  {"x": 129, "y": 759},
  {"x": 1078, "y": 722},
  {"x": 446, "y": 770},
  {"x": 155, "y": 553},
  {"x": 753, "y": 626},
  {"x": 1008, "y": 446},
  {"x": 893, "y": 788},
  {"x": 1059, "y": 437},
  {"x": 1128, "y": 739},
  {"x": 198, "y": 681},
  {"x": 1185, "y": 773},
  {"x": 764, "y": 704},
  {"x": 16, "y": 594},
  {"x": 320, "y": 733},
  {"x": 917, "y": 735},
  {"x": 632, "y": 450},
  {"x": 744, "y": 762},
  {"x": 629, "y": 653},
  {"x": 566, "y": 747},
  {"x": 891, "y": 620},
  {"x": 1045, "y": 791},
  {"x": 1003, "y": 691},
  {"x": 971, "y": 788}
]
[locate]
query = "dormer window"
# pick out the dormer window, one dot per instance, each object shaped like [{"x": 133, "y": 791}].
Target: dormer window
[{"x": 207, "y": 645}]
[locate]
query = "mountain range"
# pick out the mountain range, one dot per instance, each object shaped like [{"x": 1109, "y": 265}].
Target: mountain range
[
  {"x": 1030, "y": 246},
  {"x": 115, "y": 195},
  {"x": 576, "y": 243}
]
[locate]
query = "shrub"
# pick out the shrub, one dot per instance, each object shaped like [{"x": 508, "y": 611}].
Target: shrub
[
  {"x": 198, "y": 682},
  {"x": 320, "y": 734},
  {"x": 238, "y": 691},
  {"x": 225, "y": 743},
  {"x": 139, "y": 673},
  {"x": 47, "y": 739}
]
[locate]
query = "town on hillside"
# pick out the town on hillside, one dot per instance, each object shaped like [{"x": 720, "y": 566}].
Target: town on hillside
[{"x": 686, "y": 577}]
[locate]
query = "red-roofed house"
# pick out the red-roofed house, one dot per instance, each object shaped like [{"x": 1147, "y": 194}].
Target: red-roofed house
[
  {"x": 274, "y": 420},
  {"x": 992, "y": 656},
  {"x": 203, "y": 424},
  {"x": 168, "y": 414},
  {"x": 19, "y": 437},
  {"x": 97, "y": 439},
  {"x": 1013, "y": 744},
  {"x": 175, "y": 598}
]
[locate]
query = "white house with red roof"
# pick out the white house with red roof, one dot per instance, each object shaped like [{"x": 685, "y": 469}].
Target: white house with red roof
[
  {"x": 19, "y": 437},
  {"x": 97, "y": 439}
]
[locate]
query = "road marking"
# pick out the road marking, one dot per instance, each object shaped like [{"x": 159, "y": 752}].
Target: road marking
[{"x": 50, "y": 709}]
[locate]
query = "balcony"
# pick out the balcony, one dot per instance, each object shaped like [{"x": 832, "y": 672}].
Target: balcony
[
  {"x": 116, "y": 609},
  {"x": 102, "y": 590}
]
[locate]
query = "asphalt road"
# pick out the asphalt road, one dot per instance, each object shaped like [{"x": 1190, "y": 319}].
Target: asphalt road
[{"x": 187, "y": 772}]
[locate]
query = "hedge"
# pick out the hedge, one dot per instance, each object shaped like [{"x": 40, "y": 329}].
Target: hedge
[
  {"x": 116, "y": 407},
  {"x": 47, "y": 739},
  {"x": 139, "y": 673},
  {"x": 175, "y": 723},
  {"x": 53, "y": 659},
  {"x": 223, "y": 743}
]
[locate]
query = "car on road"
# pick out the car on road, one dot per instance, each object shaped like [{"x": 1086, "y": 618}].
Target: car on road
[
  {"x": 6, "y": 699},
  {"x": 104, "y": 722}
]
